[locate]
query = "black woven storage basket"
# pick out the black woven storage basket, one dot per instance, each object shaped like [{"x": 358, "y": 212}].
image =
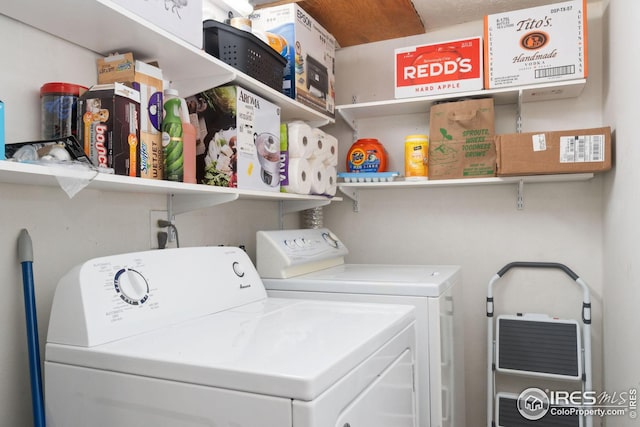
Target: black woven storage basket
[{"x": 245, "y": 52}]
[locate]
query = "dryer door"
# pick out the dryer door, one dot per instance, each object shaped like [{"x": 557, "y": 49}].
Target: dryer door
[
  {"x": 379, "y": 392},
  {"x": 386, "y": 402}
]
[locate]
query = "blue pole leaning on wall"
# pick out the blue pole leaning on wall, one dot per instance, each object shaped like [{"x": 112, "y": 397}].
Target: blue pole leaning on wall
[{"x": 25, "y": 254}]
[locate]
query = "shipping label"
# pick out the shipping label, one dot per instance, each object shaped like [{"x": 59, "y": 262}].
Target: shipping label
[{"x": 582, "y": 148}]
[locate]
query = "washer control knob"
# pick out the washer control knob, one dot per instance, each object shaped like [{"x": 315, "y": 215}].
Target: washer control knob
[
  {"x": 331, "y": 239},
  {"x": 238, "y": 269},
  {"x": 131, "y": 286}
]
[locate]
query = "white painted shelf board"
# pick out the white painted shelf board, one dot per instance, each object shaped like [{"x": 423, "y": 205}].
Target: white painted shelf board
[
  {"x": 503, "y": 96},
  {"x": 186, "y": 196},
  {"x": 352, "y": 189},
  {"x": 190, "y": 69},
  {"x": 401, "y": 183}
]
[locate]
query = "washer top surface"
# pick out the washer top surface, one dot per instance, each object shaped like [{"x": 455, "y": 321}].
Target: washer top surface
[
  {"x": 280, "y": 347},
  {"x": 379, "y": 279}
]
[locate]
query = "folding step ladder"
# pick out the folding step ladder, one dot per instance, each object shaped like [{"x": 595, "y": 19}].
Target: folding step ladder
[{"x": 537, "y": 346}]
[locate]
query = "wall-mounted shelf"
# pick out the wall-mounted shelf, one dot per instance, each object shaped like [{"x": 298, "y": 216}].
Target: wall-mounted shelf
[
  {"x": 190, "y": 69},
  {"x": 351, "y": 113},
  {"x": 353, "y": 189},
  {"x": 184, "y": 197}
]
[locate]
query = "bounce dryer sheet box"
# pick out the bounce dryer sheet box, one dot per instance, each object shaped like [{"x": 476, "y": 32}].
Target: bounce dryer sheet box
[
  {"x": 310, "y": 51},
  {"x": 453, "y": 66},
  {"x": 567, "y": 151},
  {"x": 148, "y": 81},
  {"x": 461, "y": 140},
  {"x": 536, "y": 45},
  {"x": 109, "y": 127},
  {"x": 238, "y": 142}
]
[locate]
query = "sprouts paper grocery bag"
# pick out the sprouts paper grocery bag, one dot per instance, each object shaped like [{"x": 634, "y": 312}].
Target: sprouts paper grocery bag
[{"x": 461, "y": 139}]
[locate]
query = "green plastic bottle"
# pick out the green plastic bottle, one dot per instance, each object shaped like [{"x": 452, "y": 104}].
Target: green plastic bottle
[{"x": 172, "y": 141}]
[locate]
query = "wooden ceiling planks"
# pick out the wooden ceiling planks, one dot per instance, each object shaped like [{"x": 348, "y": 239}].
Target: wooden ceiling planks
[{"x": 354, "y": 22}]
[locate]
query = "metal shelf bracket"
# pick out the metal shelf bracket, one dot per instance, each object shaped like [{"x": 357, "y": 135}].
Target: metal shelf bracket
[
  {"x": 519, "y": 112},
  {"x": 520, "y": 198},
  {"x": 354, "y": 195}
]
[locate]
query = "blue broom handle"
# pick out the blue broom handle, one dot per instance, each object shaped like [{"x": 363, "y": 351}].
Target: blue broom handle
[{"x": 25, "y": 253}]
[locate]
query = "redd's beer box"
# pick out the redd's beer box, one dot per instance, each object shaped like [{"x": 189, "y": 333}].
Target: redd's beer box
[{"x": 448, "y": 67}]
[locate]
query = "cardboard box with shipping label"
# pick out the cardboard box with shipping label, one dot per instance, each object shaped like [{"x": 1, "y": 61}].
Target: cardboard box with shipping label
[
  {"x": 536, "y": 45},
  {"x": 567, "y": 151},
  {"x": 109, "y": 127},
  {"x": 309, "y": 76},
  {"x": 148, "y": 81},
  {"x": 461, "y": 140},
  {"x": 453, "y": 66},
  {"x": 238, "y": 143}
]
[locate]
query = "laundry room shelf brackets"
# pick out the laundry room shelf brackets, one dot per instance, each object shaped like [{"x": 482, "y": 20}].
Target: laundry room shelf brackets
[{"x": 352, "y": 190}]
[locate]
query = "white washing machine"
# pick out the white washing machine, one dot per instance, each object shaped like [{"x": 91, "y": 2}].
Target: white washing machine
[
  {"x": 310, "y": 263},
  {"x": 188, "y": 337}
]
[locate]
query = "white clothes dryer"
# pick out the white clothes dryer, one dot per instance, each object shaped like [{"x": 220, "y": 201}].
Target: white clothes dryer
[
  {"x": 309, "y": 263},
  {"x": 188, "y": 337}
]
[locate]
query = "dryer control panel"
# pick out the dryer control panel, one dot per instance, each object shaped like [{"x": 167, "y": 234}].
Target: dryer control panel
[
  {"x": 118, "y": 296},
  {"x": 282, "y": 254}
]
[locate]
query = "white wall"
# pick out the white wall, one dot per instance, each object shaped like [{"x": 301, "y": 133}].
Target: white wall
[
  {"x": 67, "y": 231},
  {"x": 622, "y": 204},
  {"x": 478, "y": 227}
]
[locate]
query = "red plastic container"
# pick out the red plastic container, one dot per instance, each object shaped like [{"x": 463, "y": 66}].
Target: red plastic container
[{"x": 58, "y": 109}]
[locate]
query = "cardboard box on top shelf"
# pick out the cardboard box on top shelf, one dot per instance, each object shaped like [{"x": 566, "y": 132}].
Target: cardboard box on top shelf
[
  {"x": 108, "y": 127},
  {"x": 309, "y": 76},
  {"x": 238, "y": 141},
  {"x": 446, "y": 67},
  {"x": 554, "y": 152},
  {"x": 536, "y": 45},
  {"x": 461, "y": 139},
  {"x": 116, "y": 68}
]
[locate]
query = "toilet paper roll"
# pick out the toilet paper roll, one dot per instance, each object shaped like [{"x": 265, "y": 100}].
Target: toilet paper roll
[
  {"x": 320, "y": 144},
  {"x": 317, "y": 171},
  {"x": 299, "y": 140},
  {"x": 332, "y": 150},
  {"x": 331, "y": 178},
  {"x": 298, "y": 180}
]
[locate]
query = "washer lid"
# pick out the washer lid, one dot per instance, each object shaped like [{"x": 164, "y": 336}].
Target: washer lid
[
  {"x": 281, "y": 347},
  {"x": 377, "y": 279}
]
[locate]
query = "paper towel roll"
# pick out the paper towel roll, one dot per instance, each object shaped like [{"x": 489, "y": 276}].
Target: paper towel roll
[
  {"x": 317, "y": 171},
  {"x": 299, "y": 140},
  {"x": 331, "y": 178},
  {"x": 332, "y": 150},
  {"x": 298, "y": 177}
]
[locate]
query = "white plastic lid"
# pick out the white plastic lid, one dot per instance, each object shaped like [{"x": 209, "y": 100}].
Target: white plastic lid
[{"x": 171, "y": 93}]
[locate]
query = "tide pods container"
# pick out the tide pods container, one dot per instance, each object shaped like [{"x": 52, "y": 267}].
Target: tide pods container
[{"x": 536, "y": 45}]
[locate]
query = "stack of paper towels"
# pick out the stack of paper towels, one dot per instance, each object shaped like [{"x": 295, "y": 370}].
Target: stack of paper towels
[{"x": 309, "y": 160}]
